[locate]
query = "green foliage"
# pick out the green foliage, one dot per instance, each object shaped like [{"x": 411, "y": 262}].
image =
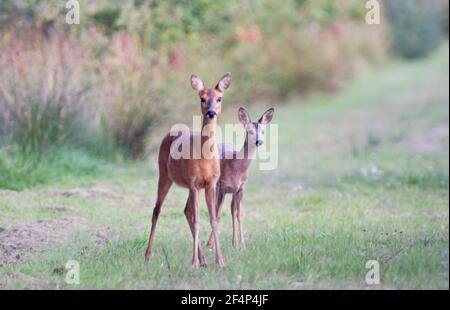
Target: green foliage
[
  {"x": 106, "y": 19},
  {"x": 124, "y": 70},
  {"x": 415, "y": 27},
  {"x": 19, "y": 171}
]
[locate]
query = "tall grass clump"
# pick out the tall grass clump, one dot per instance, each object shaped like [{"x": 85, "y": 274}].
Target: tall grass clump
[
  {"x": 43, "y": 93},
  {"x": 132, "y": 95},
  {"x": 46, "y": 112}
]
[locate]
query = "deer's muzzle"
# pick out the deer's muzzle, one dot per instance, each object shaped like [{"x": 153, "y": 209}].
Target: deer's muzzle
[{"x": 211, "y": 114}]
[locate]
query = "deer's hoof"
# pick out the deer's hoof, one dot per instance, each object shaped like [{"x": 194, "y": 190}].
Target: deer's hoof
[
  {"x": 203, "y": 262},
  {"x": 195, "y": 264},
  {"x": 148, "y": 256},
  {"x": 220, "y": 263}
]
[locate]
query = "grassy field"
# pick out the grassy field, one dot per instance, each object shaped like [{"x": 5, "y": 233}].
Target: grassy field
[{"x": 362, "y": 175}]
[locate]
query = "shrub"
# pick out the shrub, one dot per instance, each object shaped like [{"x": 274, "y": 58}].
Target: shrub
[
  {"x": 125, "y": 70},
  {"x": 130, "y": 97},
  {"x": 415, "y": 27},
  {"x": 42, "y": 92}
]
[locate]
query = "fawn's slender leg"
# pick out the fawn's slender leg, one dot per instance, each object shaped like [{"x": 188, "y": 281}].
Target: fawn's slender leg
[
  {"x": 234, "y": 212},
  {"x": 240, "y": 215},
  {"x": 220, "y": 199},
  {"x": 210, "y": 193},
  {"x": 189, "y": 213},
  {"x": 164, "y": 185},
  {"x": 193, "y": 196}
]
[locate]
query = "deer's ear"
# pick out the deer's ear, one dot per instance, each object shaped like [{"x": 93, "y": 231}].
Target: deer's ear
[
  {"x": 224, "y": 82},
  {"x": 244, "y": 118},
  {"x": 266, "y": 117},
  {"x": 196, "y": 83}
]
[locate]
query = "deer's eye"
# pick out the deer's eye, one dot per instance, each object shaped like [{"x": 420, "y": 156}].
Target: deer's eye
[
  {"x": 202, "y": 100},
  {"x": 219, "y": 99}
]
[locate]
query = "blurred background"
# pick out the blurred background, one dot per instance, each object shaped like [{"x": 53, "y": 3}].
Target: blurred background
[
  {"x": 104, "y": 87},
  {"x": 363, "y": 146}
]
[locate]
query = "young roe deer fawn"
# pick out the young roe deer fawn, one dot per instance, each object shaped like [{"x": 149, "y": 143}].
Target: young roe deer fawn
[
  {"x": 234, "y": 167},
  {"x": 195, "y": 172}
]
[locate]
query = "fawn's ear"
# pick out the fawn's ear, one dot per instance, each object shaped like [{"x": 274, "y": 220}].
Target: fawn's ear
[
  {"x": 266, "y": 117},
  {"x": 224, "y": 82},
  {"x": 196, "y": 83},
  {"x": 244, "y": 118}
]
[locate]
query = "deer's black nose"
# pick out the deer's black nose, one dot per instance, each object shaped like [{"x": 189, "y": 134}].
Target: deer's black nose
[
  {"x": 211, "y": 114},
  {"x": 259, "y": 142}
]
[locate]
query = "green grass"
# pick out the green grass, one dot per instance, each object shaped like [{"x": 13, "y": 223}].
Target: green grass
[
  {"x": 362, "y": 175},
  {"x": 24, "y": 171}
]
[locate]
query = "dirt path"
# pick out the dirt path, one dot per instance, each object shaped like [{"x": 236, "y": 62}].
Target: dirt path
[{"x": 19, "y": 241}]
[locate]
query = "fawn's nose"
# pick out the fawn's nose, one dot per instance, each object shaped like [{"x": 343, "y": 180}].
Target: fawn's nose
[
  {"x": 259, "y": 142},
  {"x": 211, "y": 114}
]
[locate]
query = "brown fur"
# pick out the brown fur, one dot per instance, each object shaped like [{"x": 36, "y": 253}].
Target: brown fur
[
  {"x": 193, "y": 174},
  {"x": 234, "y": 167}
]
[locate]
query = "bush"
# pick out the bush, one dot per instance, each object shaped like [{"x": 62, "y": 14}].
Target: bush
[
  {"x": 42, "y": 92},
  {"x": 415, "y": 27},
  {"x": 131, "y": 96},
  {"x": 125, "y": 70}
]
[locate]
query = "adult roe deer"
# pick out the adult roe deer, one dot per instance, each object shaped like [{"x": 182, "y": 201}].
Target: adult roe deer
[
  {"x": 234, "y": 167},
  {"x": 194, "y": 172}
]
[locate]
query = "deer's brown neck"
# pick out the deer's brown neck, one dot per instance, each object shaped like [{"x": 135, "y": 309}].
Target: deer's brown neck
[
  {"x": 246, "y": 153},
  {"x": 209, "y": 133}
]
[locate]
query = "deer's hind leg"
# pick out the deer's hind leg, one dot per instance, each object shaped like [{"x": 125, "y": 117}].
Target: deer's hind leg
[
  {"x": 195, "y": 217},
  {"x": 189, "y": 212},
  {"x": 164, "y": 184}
]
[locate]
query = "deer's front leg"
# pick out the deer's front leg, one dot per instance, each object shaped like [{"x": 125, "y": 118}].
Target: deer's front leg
[
  {"x": 193, "y": 197},
  {"x": 240, "y": 215},
  {"x": 234, "y": 214},
  {"x": 220, "y": 198},
  {"x": 189, "y": 213},
  {"x": 210, "y": 193}
]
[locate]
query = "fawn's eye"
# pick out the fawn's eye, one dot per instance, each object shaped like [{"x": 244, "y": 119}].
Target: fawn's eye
[
  {"x": 202, "y": 100},
  {"x": 219, "y": 99}
]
